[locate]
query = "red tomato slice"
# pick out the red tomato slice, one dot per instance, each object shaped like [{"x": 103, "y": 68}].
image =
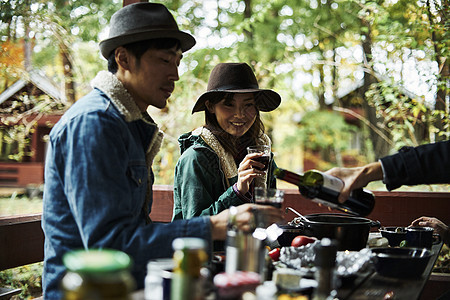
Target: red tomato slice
[
  {"x": 302, "y": 240},
  {"x": 275, "y": 254}
]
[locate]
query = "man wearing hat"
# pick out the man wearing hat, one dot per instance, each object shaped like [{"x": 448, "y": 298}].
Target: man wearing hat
[
  {"x": 214, "y": 171},
  {"x": 98, "y": 173}
]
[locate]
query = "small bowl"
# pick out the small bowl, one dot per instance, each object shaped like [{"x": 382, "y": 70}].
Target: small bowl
[
  {"x": 394, "y": 238},
  {"x": 400, "y": 262}
]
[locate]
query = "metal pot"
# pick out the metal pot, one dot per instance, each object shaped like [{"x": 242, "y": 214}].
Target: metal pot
[{"x": 351, "y": 233}]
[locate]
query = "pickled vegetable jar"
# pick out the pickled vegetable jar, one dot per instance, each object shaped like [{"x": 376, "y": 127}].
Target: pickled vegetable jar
[{"x": 97, "y": 274}]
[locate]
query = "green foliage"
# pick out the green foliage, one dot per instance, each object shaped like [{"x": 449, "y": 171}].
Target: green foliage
[
  {"x": 24, "y": 114},
  {"x": 305, "y": 50},
  {"x": 320, "y": 130},
  {"x": 27, "y": 278},
  {"x": 404, "y": 116}
]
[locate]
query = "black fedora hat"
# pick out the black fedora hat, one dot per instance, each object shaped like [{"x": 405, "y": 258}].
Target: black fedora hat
[
  {"x": 143, "y": 21},
  {"x": 237, "y": 78}
]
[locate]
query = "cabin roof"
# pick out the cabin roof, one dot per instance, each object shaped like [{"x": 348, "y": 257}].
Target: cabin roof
[{"x": 34, "y": 77}]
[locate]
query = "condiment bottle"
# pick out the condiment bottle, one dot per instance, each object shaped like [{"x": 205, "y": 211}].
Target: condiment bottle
[
  {"x": 97, "y": 274},
  {"x": 189, "y": 258},
  {"x": 324, "y": 189},
  {"x": 325, "y": 263},
  {"x": 157, "y": 280}
]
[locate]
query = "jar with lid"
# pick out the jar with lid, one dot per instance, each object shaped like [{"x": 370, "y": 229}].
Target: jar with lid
[
  {"x": 97, "y": 274},
  {"x": 189, "y": 258}
]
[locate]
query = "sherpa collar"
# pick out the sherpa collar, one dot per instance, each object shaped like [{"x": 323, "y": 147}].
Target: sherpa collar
[
  {"x": 227, "y": 162},
  {"x": 109, "y": 84}
]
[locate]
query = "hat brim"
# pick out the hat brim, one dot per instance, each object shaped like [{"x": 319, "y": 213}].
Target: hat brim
[
  {"x": 187, "y": 41},
  {"x": 266, "y": 100}
]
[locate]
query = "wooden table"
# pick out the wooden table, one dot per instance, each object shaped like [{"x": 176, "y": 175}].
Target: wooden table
[{"x": 373, "y": 286}]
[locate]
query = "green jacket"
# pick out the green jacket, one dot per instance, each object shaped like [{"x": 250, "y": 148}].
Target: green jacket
[{"x": 204, "y": 176}]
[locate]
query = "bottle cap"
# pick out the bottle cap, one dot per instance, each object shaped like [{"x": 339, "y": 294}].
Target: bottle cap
[
  {"x": 188, "y": 243},
  {"x": 325, "y": 253}
]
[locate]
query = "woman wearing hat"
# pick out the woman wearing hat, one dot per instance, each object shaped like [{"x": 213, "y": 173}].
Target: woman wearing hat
[{"x": 214, "y": 171}]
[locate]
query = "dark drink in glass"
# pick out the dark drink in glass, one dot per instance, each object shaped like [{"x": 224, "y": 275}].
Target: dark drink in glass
[
  {"x": 269, "y": 202},
  {"x": 264, "y": 160},
  {"x": 264, "y": 151}
]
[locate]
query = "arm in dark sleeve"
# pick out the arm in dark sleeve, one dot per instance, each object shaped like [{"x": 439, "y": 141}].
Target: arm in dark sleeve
[{"x": 425, "y": 164}]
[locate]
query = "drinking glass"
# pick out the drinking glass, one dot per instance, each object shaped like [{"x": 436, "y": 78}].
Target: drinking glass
[
  {"x": 264, "y": 158},
  {"x": 263, "y": 196},
  {"x": 267, "y": 196}
]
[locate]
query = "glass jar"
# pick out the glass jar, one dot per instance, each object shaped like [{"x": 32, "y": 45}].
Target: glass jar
[
  {"x": 189, "y": 257},
  {"x": 97, "y": 274}
]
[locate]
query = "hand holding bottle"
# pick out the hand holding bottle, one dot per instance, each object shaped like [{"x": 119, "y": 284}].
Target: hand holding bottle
[
  {"x": 325, "y": 189},
  {"x": 355, "y": 178}
]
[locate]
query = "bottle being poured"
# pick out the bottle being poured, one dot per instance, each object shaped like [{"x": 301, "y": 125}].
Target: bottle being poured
[{"x": 324, "y": 189}]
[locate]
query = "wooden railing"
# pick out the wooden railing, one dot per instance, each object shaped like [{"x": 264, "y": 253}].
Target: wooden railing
[{"x": 22, "y": 239}]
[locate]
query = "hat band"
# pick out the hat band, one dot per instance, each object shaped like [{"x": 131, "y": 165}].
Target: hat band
[{"x": 235, "y": 87}]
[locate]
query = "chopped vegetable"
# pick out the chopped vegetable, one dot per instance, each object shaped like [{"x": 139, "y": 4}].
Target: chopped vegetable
[
  {"x": 275, "y": 254},
  {"x": 302, "y": 240}
]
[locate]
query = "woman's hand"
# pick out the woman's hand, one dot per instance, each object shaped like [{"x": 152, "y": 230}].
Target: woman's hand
[
  {"x": 247, "y": 171},
  {"x": 438, "y": 226}
]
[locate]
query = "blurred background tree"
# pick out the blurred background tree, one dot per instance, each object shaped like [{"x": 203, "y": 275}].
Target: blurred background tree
[{"x": 358, "y": 79}]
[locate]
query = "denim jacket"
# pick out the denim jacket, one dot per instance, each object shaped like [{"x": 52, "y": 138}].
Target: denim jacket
[{"x": 98, "y": 181}]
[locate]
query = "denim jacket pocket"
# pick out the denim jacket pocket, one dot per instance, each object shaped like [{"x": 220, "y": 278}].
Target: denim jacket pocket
[{"x": 138, "y": 173}]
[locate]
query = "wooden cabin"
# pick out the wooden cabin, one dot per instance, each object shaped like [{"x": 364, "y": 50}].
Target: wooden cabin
[{"x": 29, "y": 169}]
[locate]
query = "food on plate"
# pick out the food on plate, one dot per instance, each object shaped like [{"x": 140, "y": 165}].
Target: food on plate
[
  {"x": 378, "y": 242},
  {"x": 235, "y": 285},
  {"x": 292, "y": 297},
  {"x": 275, "y": 254},
  {"x": 403, "y": 244},
  {"x": 302, "y": 240}
]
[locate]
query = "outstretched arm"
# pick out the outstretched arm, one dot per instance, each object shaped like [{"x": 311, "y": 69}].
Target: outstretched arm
[
  {"x": 244, "y": 218},
  {"x": 357, "y": 177}
]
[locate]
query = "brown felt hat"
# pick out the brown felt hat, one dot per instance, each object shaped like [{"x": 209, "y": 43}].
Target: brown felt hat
[
  {"x": 237, "y": 78},
  {"x": 143, "y": 21}
]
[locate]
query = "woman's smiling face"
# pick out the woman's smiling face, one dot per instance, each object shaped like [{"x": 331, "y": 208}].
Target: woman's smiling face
[{"x": 235, "y": 115}]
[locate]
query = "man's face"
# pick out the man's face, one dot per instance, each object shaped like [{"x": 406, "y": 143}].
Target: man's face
[{"x": 152, "y": 80}]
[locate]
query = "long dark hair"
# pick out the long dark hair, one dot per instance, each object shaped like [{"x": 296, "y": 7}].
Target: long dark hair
[{"x": 235, "y": 145}]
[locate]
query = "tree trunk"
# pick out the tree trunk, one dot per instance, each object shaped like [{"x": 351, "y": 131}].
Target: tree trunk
[
  {"x": 380, "y": 146},
  {"x": 69, "y": 84},
  {"x": 444, "y": 73},
  {"x": 249, "y": 33}
]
